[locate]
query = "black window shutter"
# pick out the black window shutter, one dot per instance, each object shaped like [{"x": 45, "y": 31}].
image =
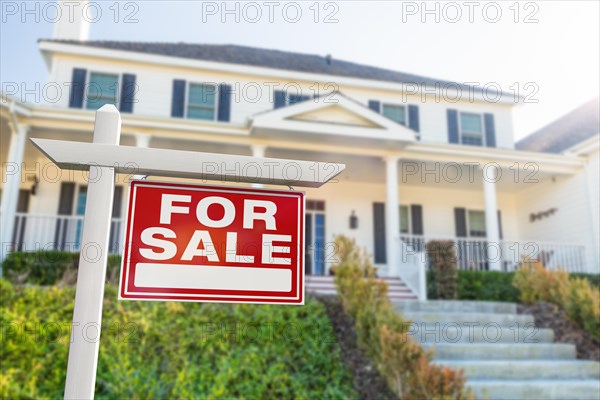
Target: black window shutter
[
  {"x": 379, "y": 232},
  {"x": 178, "y": 99},
  {"x": 499, "y": 224},
  {"x": 279, "y": 99},
  {"x": 416, "y": 216},
  {"x": 65, "y": 207},
  {"x": 452, "y": 126},
  {"x": 413, "y": 117},
  {"x": 490, "y": 130},
  {"x": 127, "y": 93},
  {"x": 375, "y": 105},
  {"x": 77, "y": 88},
  {"x": 224, "y": 102},
  {"x": 117, "y": 200},
  {"x": 460, "y": 222}
]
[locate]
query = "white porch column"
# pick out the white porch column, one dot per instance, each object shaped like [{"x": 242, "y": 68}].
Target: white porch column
[
  {"x": 10, "y": 192},
  {"x": 141, "y": 140},
  {"x": 491, "y": 174},
  {"x": 258, "y": 150},
  {"x": 392, "y": 215}
]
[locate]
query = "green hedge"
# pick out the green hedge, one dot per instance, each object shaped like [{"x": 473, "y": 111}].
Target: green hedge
[
  {"x": 480, "y": 285},
  {"x": 172, "y": 350},
  {"x": 490, "y": 285},
  {"x": 50, "y": 267}
]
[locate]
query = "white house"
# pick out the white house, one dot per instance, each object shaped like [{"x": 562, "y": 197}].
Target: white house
[{"x": 416, "y": 151}]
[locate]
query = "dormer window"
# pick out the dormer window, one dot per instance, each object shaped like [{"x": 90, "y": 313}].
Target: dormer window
[
  {"x": 471, "y": 129},
  {"x": 102, "y": 89},
  {"x": 395, "y": 112},
  {"x": 202, "y": 101}
]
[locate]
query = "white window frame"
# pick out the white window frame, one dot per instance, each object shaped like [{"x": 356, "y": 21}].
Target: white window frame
[
  {"x": 383, "y": 104},
  {"x": 88, "y": 80},
  {"x": 409, "y": 219},
  {"x": 187, "y": 97},
  {"x": 460, "y": 129},
  {"x": 468, "y": 220}
]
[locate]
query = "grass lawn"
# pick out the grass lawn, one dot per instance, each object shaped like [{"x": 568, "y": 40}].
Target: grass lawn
[{"x": 172, "y": 350}]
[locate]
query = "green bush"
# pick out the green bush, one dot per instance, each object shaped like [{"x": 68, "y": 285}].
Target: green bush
[
  {"x": 172, "y": 350},
  {"x": 594, "y": 279},
  {"x": 51, "y": 267}
]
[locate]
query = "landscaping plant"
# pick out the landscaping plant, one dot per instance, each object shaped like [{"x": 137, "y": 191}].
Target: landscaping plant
[
  {"x": 442, "y": 258},
  {"x": 383, "y": 334},
  {"x": 575, "y": 295}
]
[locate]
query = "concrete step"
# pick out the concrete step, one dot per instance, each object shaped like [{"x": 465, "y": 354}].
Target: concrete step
[
  {"x": 458, "y": 306},
  {"x": 432, "y": 333},
  {"x": 525, "y": 369},
  {"x": 502, "y": 351},
  {"x": 541, "y": 389},
  {"x": 461, "y": 318}
]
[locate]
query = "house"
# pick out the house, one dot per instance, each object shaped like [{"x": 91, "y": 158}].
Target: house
[{"x": 426, "y": 159}]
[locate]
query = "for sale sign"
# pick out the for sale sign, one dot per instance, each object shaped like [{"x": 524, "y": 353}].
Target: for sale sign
[{"x": 214, "y": 244}]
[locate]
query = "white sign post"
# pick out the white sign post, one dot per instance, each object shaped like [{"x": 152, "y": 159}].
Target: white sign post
[
  {"x": 104, "y": 157},
  {"x": 91, "y": 275}
]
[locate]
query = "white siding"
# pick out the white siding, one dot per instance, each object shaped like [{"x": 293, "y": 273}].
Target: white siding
[{"x": 155, "y": 92}]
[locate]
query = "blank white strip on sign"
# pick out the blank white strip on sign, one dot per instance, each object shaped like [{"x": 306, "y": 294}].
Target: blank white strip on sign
[{"x": 173, "y": 276}]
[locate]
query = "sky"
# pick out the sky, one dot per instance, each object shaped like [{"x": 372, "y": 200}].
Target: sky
[{"x": 547, "y": 50}]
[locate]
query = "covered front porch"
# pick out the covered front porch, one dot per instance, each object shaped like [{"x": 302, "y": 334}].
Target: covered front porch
[{"x": 393, "y": 198}]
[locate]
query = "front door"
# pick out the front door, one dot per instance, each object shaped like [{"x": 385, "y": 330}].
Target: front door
[{"x": 314, "y": 223}]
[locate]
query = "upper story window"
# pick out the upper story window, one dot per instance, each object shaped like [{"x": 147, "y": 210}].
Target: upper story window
[
  {"x": 91, "y": 90},
  {"x": 394, "y": 112},
  {"x": 102, "y": 89},
  {"x": 471, "y": 129},
  {"x": 283, "y": 99},
  {"x": 476, "y": 223},
  {"x": 202, "y": 101}
]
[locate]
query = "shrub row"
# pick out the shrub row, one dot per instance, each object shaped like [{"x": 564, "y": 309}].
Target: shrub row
[
  {"x": 51, "y": 267},
  {"x": 383, "y": 334},
  {"x": 172, "y": 350},
  {"x": 479, "y": 285},
  {"x": 575, "y": 295},
  {"x": 490, "y": 285}
]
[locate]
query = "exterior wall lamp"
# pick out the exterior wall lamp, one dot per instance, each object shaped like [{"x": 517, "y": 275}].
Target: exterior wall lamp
[{"x": 353, "y": 220}]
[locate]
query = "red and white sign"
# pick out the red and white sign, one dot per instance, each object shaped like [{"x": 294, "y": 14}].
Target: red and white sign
[{"x": 214, "y": 244}]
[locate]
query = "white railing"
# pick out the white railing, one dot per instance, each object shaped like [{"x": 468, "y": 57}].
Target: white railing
[
  {"x": 57, "y": 232},
  {"x": 412, "y": 269},
  {"x": 476, "y": 253}
]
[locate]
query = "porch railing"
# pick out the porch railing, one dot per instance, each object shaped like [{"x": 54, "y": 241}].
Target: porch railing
[
  {"x": 476, "y": 253},
  {"x": 57, "y": 232}
]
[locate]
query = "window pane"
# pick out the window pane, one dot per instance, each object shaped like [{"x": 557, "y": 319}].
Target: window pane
[
  {"x": 201, "y": 113},
  {"x": 202, "y": 95},
  {"x": 101, "y": 90},
  {"x": 477, "y": 224},
  {"x": 474, "y": 140},
  {"x": 296, "y": 98},
  {"x": 471, "y": 123},
  {"x": 395, "y": 113},
  {"x": 404, "y": 219}
]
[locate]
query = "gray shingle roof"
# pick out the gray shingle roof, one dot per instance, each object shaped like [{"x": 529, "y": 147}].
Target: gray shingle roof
[
  {"x": 233, "y": 54},
  {"x": 570, "y": 129}
]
